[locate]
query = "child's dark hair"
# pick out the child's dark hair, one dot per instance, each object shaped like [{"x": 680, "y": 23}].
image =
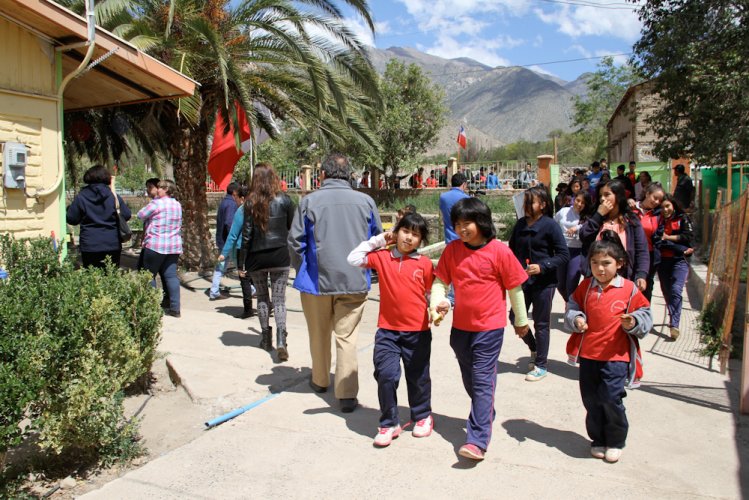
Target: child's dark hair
[
  {"x": 610, "y": 244},
  {"x": 678, "y": 209},
  {"x": 616, "y": 187},
  {"x": 588, "y": 201},
  {"x": 414, "y": 222},
  {"x": 474, "y": 210},
  {"x": 542, "y": 194}
]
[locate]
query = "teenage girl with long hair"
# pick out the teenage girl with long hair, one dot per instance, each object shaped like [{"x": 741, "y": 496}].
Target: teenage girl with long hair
[
  {"x": 613, "y": 212},
  {"x": 675, "y": 247},
  {"x": 649, "y": 212},
  {"x": 538, "y": 243}
]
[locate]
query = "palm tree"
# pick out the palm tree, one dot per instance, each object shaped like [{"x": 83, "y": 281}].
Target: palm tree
[{"x": 298, "y": 59}]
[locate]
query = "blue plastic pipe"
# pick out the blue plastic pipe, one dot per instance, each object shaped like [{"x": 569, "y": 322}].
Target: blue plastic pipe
[{"x": 228, "y": 416}]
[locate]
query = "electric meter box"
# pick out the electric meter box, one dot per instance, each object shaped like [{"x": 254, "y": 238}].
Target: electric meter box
[{"x": 15, "y": 157}]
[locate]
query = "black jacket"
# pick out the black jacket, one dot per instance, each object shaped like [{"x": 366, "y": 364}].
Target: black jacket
[
  {"x": 94, "y": 209},
  {"x": 277, "y": 233},
  {"x": 543, "y": 244}
]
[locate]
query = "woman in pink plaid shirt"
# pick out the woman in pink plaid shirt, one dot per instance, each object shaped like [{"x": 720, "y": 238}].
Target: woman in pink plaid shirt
[{"x": 162, "y": 244}]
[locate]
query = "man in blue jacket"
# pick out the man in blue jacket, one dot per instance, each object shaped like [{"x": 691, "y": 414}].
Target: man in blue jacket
[
  {"x": 329, "y": 223},
  {"x": 226, "y": 210}
]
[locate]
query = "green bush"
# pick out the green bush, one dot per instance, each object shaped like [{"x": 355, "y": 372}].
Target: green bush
[{"x": 70, "y": 342}]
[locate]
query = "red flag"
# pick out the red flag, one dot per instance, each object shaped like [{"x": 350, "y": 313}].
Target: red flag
[
  {"x": 462, "y": 137},
  {"x": 224, "y": 153}
]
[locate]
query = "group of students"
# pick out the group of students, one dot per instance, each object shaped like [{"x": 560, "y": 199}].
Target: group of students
[{"x": 618, "y": 243}]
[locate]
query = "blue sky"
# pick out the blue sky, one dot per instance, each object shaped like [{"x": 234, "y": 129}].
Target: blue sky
[{"x": 509, "y": 32}]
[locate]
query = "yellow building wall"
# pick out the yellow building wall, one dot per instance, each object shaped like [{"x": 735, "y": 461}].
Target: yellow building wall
[
  {"x": 28, "y": 62},
  {"x": 33, "y": 122}
]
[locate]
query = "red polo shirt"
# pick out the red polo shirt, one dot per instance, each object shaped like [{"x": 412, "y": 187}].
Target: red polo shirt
[
  {"x": 404, "y": 283},
  {"x": 480, "y": 278}
]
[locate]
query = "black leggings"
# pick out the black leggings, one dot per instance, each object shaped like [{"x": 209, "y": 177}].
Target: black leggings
[{"x": 278, "y": 278}]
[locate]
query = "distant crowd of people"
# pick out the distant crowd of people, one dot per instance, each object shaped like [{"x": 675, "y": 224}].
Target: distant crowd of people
[{"x": 609, "y": 232}]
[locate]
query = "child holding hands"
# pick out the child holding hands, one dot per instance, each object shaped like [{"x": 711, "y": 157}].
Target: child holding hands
[
  {"x": 403, "y": 325},
  {"x": 607, "y": 313},
  {"x": 481, "y": 269}
]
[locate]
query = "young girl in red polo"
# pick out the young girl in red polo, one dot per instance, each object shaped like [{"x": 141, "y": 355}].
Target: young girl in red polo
[
  {"x": 607, "y": 313},
  {"x": 481, "y": 269},
  {"x": 403, "y": 326}
]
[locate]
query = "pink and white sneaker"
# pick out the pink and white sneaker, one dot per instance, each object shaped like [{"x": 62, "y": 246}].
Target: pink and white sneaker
[
  {"x": 423, "y": 427},
  {"x": 385, "y": 435}
]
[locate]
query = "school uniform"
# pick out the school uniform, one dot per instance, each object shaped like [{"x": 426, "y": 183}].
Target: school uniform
[
  {"x": 650, "y": 221},
  {"x": 674, "y": 268},
  {"x": 609, "y": 356},
  {"x": 403, "y": 327},
  {"x": 638, "y": 259},
  {"x": 541, "y": 243},
  {"x": 481, "y": 276}
]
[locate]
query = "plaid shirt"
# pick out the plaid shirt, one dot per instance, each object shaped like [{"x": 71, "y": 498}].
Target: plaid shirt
[{"x": 163, "y": 222}]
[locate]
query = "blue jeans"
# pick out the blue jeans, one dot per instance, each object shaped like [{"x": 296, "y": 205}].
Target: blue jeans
[
  {"x": 414, "y": 348},
  {"x": 602, "y": 390},
  {"x": 218, "y": 273},
  {"x": 541, "y": 315},
  {"x": 477, "y": 354},
  {"x": 165, "y": 265}
]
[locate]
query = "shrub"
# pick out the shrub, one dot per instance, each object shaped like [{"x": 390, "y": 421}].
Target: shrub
[{"x": 70, "y": 342}]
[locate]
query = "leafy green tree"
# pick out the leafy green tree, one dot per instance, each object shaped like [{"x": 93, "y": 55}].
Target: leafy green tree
[
  {"x": 696, "y": 52},
  {"x": 606, "y": 87},
  {"x": 414, "y": 113},
  {"x": 298, "y": 59}
]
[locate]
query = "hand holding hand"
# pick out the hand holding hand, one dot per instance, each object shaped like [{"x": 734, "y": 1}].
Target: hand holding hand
[
  {"x": 581, "y": 325},
  {"x": 571, "y": 231},
  {"x": 628, "y": 321},
  {"x": 641, "y": 284},
  {"x": 521, "y": 331},
  {"x": 439, "y": 312},
  {"x": 533, "y": 269}
]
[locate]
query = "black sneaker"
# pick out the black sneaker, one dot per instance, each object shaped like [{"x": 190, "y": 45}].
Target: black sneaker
[
  {"x": 173, "y": 313},
  {"x": 348, "y": 405},
  {"x": 317, "y": 388}
]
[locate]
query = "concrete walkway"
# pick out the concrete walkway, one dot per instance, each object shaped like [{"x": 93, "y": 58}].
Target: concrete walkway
[{"x": 684, "y": 438}]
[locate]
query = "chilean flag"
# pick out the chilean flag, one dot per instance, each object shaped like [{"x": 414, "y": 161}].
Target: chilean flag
[
  {"x": 224, "y": 153},
  {"x": 462, "y": 137}
]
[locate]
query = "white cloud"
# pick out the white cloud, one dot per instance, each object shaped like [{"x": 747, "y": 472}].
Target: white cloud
[
  {"x": 540, "y": 69},
  {"x": 482, "y": 50},
  {"x": 619, "y": 59},
  {"x": 579, "y": 48},
  {"x": 592, "y": 21},
  {"x": 538, "y": 41},
  {"x": 362, "y": 31}
]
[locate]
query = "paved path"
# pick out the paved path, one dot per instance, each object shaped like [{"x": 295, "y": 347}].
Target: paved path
[{"x": 684, "y": 441}]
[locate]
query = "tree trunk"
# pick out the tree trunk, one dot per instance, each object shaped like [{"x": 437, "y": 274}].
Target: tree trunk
[{"x": 190, "y": 159}]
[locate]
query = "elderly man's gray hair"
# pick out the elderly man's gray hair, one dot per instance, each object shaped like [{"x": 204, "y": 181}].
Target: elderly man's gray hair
[{"x": 336, "y": 166}]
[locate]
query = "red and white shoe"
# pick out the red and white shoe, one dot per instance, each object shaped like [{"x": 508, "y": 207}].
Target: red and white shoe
[
  {"x": 385, "y": 435},
  {"x": 423, "y": 427}
]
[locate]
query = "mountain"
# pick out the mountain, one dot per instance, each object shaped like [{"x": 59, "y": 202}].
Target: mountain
[{"x": 496, "y": 105}]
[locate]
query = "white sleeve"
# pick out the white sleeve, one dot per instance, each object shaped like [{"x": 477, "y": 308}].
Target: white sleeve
[{"x": 358, "y": 256}]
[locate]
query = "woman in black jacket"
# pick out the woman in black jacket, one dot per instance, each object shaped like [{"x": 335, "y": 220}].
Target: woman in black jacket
[
  {"x": 94, "y": 209},
  {"x": 264, "y": 253}
]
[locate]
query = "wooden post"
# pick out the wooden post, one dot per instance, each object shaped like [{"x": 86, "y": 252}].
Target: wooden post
[
  {"x": 706, "y": 298},
  {"x": 556, "y": 151},
  {"x": 374, "y": 178},
  {"x": 744, "y": 390},
  {"x": 452, "y": 168},
  {"x": 729, "y": 198},
  {"x": 544, "y": 170},
  {"x": 306, "y": 178},
  {"x": 705, "y": 216}
]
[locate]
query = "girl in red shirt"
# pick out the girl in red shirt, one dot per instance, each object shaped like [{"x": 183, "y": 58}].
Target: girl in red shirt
[
  {"x": 403, "y": 326},
  {"x": 649, "y": 212},
  {"x": 675, "y": 246},
  {"x": 606, "y": 313},
  {"x": 481, "y": 269}
]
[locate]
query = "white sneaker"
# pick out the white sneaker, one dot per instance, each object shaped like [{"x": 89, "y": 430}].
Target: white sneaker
[
  {"x": 597, "y": 451},
  {"x": 385, "y": 435},
  {"x": 612, "y": 455},
  {"x": 423, "y": 427}
]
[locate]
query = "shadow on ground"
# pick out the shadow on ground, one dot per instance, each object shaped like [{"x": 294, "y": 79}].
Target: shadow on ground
[{"x": 570, "y": 443}]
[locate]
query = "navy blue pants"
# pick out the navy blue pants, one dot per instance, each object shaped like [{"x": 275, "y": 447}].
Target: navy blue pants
[
  {"x": 477, "y": 354},
  {"x": 415, "y": 349},
  {"x": 541, "y": 315},
  {"x": 568, "y": 275},
  {"x": 602, "y": 390},
  {"x": 672, "y": 273},
  {"x": 650, "y": 279}
]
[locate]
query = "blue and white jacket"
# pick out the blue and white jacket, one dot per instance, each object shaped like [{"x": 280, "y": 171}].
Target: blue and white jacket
[{"x": 328, "y": 224}]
